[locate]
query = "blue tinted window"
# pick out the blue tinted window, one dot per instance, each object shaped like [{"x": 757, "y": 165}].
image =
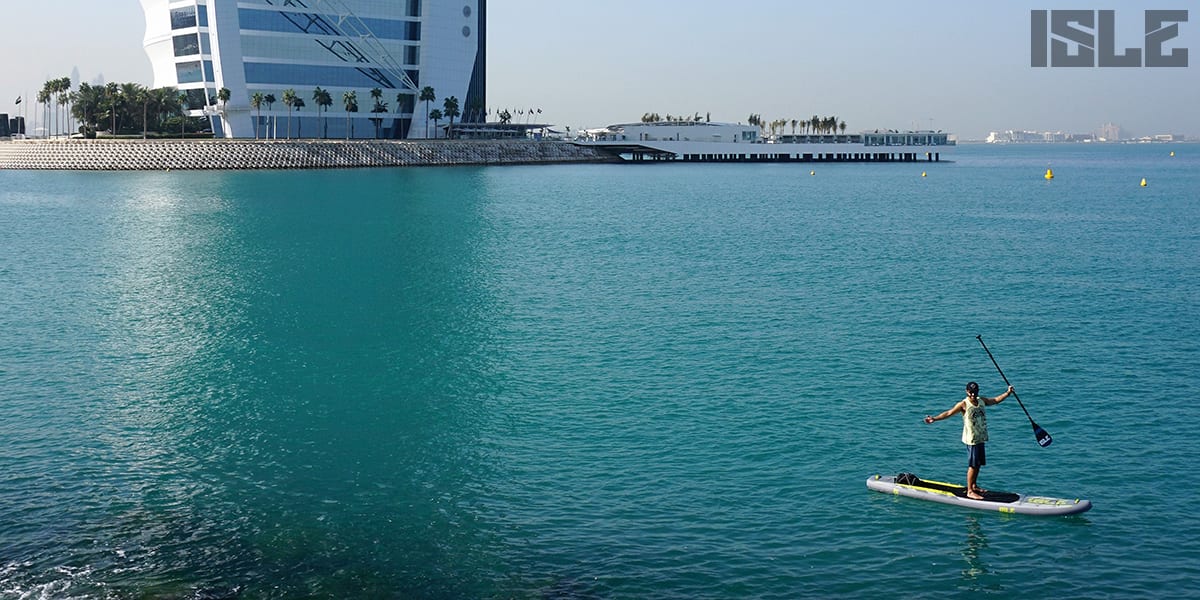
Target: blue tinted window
[
  {"x": 310, "y": 75},
  {"x": 187, "y": 44},
  {"x": 203, "y": 16},
  {"x": 188, "y": 72},
  {"x": 195, "y": 99},
  {"x": 315, "y": 24},
  {"x": 182, "y": 18},
  {"x": 208, "y": 71}
]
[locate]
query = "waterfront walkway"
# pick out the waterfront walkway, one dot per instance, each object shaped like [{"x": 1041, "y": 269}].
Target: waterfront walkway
[{"x": 158, "y": 155}]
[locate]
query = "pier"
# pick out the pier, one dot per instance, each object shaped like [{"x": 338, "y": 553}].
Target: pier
[
  {"x": 705, "y": 142},
  {"x": 803, "y": 157}
]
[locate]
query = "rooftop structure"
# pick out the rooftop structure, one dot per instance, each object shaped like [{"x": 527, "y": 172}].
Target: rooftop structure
[
  {"x": 686, "y": 131},
  {"x": 347, "y": 48}
]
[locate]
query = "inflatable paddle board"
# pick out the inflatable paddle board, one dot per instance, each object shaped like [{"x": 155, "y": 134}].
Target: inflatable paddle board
[{"x": 907, "y": 484}]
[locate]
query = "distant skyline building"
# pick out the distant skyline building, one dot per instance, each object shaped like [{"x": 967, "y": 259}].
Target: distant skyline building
[
  {"x": 397, "y": 47},
  {"x": 1110, "y": 132}
]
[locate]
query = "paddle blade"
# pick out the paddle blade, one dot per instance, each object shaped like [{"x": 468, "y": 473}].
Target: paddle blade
[{"x": 1043, "y": 436}]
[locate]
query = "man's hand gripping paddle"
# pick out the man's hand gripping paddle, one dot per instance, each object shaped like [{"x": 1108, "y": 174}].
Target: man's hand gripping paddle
[{"x": 1043, "y": 437}]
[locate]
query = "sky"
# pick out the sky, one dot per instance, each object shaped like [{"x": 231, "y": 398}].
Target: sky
[{"x": 960, "y": 66}]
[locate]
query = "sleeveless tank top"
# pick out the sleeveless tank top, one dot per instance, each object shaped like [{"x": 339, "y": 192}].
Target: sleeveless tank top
[{"x": 974, "y": 423}]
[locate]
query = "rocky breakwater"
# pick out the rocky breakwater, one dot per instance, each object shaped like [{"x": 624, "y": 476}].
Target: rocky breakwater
[{"x": 155, "y": 155}]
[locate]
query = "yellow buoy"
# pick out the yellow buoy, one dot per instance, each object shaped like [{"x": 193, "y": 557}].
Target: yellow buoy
[
  {"x": 1143, "y": 182},
  {"x": 1172, "y": 153},
  {"x": 812, "y": 172},
  {"x": 1049, "y": 174},
  {"x": 922, "y": 173}
]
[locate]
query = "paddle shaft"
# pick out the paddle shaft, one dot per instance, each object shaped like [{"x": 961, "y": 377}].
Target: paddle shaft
[{"x": 989, "y": 353}]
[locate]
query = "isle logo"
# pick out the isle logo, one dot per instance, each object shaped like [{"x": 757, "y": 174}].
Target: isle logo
[{"x": 1087, "y": 38}]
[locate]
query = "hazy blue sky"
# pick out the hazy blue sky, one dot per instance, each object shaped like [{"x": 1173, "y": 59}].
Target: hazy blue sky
[{"x": 961, "y": 65}]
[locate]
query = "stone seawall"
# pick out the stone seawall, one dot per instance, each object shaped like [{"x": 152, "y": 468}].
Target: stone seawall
[{"x": 155, "y": 155}]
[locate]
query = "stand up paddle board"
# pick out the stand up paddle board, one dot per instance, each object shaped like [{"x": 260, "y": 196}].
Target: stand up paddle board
[{"x": 907, "y": 484}]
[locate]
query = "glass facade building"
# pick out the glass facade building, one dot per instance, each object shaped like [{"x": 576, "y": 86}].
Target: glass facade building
[{"x": 371, "y": 58}]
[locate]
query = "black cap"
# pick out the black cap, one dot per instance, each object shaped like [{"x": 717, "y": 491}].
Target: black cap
[{"x": 972, "y": 388}]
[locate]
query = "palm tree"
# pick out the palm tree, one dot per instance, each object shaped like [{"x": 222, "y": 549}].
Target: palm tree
[
  {"x": 43, "y": 98},
  {"x": 64, "y": 99},
  {"x": 814, "y": 123},
  {"x": 405, "y": 102},
  {"x": 269, "y": 99},
  {"x": 139, "y": 95},
  {"x": 842, "y": 125},
  {"x": 380, "y": 107},
  {"x": 298, "y": 103},
  {"x": 54, "y": 103},
  {"x": 376, "y": 96},
  {"x": 46, "y": 97},
  {"x": 183, "y": 108},
  {"x": 68, "y": 101},
  {"x": 436, "y": 115},
  {"x": 350, "y": 101},
  {"x": 289, "y": 99},
  {"x": 85, "y": 107},
  {"x": 163, "y": 103},
  {"x": 172, "y": 101},
  {"x": 323, "y": 100},
  {"x": 112, "y": 93},
  {"x": 427, "y": 96},
  {"x": 223, "y": 96},
  {"x": 130, "y": 98},
  {"x": 79, "y": 104},
  {"x": 256, "y": 102},
  {"x": 146, "y": 99},
  {"x": 451, "y": 111}
]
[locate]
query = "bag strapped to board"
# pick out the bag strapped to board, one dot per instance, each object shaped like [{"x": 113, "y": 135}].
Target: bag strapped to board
[{"x": 908, "y": 479}]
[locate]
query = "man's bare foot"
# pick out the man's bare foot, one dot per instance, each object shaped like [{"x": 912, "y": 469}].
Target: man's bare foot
[{"x": 974, "y": 495}]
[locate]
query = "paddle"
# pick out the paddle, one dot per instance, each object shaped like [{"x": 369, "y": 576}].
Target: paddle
[{"x": 1043, "y": 437}]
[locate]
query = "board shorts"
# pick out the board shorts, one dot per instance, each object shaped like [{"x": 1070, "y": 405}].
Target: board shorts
[{"x": 975, "y": 455}]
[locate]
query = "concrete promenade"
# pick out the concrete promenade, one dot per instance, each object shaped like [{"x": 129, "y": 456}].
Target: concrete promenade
[{"x": 163, "y": 154}]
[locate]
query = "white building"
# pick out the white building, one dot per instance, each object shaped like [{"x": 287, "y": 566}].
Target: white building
[
  {"x": 685, "y": 131},
  {"x": 344, "y": 47},
  {"x": 696, "y": 141}
]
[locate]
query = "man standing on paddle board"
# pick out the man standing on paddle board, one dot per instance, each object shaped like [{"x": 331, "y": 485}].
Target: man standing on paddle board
[{"x": 974, "y": 431}]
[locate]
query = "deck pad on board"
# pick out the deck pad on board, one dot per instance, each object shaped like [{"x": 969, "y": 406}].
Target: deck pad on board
[{"x": 907, "y": 484}]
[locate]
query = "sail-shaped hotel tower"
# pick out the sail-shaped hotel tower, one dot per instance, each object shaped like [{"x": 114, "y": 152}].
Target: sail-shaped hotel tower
[{"x": 378, "y": 53}]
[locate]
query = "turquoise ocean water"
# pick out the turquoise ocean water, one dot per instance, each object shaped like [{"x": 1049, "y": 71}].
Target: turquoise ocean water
[{"x": 598, "y": 381}]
